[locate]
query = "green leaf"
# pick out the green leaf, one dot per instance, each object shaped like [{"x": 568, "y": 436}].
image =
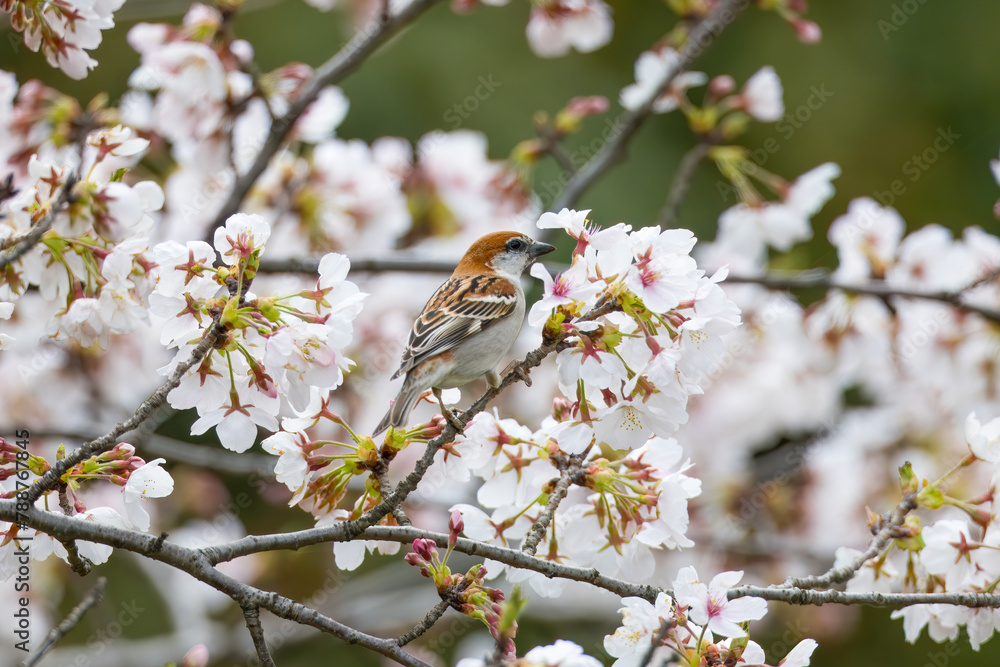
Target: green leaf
[{"x": 908, "y": 482}]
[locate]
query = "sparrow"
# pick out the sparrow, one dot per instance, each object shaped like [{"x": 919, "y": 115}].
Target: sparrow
[{"x": 468, "y": 325}]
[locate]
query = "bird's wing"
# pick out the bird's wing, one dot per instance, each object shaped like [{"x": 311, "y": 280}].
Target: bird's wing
[{"x": 461, "y": 308}]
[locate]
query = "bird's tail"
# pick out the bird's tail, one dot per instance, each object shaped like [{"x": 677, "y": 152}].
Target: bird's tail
[{"x": 400, "y": 409}]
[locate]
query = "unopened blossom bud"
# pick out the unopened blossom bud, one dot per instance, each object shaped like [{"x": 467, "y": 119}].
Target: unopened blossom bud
[
  {"x": 426, "y": 548},
  {"x": 430, "y": 430},
  {"x": 122, "y": 451},
  {"x": 808, "y": 31},
  {"x": 455, "y": 526},
  {"x": 413, "y": 558},
  {"x": 197, "y": 656},
  {"x": 721, "y": 86},
  {"x": 562, "y": 409},
  {"x": 568, "y": 119}
]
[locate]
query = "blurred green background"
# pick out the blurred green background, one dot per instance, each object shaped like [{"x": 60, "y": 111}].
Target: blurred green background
[{"x": 894, "y": 75}]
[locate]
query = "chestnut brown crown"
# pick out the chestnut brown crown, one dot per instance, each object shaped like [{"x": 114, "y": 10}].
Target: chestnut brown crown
[{"x": 502, "y": 252}]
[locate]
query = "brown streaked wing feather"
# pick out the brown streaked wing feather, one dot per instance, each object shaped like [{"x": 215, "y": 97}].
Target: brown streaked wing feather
[{"x": 461, "y": 308}]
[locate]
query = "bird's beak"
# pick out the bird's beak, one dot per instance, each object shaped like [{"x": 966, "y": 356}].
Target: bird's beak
[{"x": 538, "y": 249}]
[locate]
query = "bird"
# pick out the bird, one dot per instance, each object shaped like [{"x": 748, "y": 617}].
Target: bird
[{"x": 467, "y": 326}]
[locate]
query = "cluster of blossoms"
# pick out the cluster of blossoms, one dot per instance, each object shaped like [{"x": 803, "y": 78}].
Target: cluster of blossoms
[
  {"x": 321, "y": 193},
  {"x": 949, "y": 555},
  {"x": 63, "y": 29},
  {"x": 466, "y": 593},
  {"x": 687, "y": 624},
  {"x": 139, "y": 481},
  {"x": 90, "y": 264},
  {"x": 288, "y": 346}
]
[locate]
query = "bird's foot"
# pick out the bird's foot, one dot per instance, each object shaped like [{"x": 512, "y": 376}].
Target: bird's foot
[
  {"x": 451, "y": 416},
  {"x": 516, "y": 368}
]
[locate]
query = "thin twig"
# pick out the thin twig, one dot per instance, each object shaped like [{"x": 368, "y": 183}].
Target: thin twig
[
  {"x": 252, "y": 616},
  {"x": 381, "y": 476},
  {"x": 30, "y": 238},
  {"x": 93, "y": 596},
  {"x": 425, "y": 624},
  {"x": 699, "y": 38},
  {"x": 647, "y": 659},
  {"x": 310, "y": 265},
  {"x": 682, "y": 182},
  {"x": 883, "y": 536},
  {"x": 346, "y": 60},
  {"x": 555, "y": 497},
  {"x": 815, "y": 279},
  {"x": 51, "y": 478},
  {"x": 799, "y": 596},
  {"x": 551, "y": 144}
]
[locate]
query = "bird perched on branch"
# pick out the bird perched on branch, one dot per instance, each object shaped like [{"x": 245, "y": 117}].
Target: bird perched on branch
[{"x": 469, "y": 323}]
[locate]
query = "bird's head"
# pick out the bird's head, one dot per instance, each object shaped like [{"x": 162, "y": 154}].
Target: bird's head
[{"x": 505, "y": 253}]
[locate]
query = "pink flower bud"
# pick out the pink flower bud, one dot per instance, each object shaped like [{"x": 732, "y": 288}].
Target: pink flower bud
[
  {"x": 587, "y": 105},
  {"x": 197, "y": 656},
  {"x": 455, "y": 526},
  {"x": 121, "y": 452},
  {"x": 562, "y": 409},
  {"x": 425, "y": 548},
  {"x": 808, "y": 31},
  {"x": 721, "y": 86}
]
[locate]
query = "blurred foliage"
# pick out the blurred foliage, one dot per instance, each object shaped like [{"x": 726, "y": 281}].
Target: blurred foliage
[{"x": 894, "y": 75}]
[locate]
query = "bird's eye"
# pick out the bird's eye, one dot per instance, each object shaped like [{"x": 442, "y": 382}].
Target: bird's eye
[{"x": 516, "y": 245}]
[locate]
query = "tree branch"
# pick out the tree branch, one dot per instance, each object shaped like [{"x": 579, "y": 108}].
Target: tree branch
[
  {"x": 345, "y": 61},
  {"x": 556, "y": 496},
  {"x": 93, "y": 596},
  {"x": 406, "y": 534},
  {"x": 195, "y": 563},
  {"x": 30, "y": 238},
  {"x": 799, "y": 596},
  {"x": 681, "y": 183},
  {"x": 822, "y": 280},
  {"x": 51, "y": 478},
  {"x": 428, "y": 621},
  {"x": 252, "y": 616},
  {"x": 700, "y": 37},
  {"x": 885, "y": 534},
  {"x": 310, "y": 265}
]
